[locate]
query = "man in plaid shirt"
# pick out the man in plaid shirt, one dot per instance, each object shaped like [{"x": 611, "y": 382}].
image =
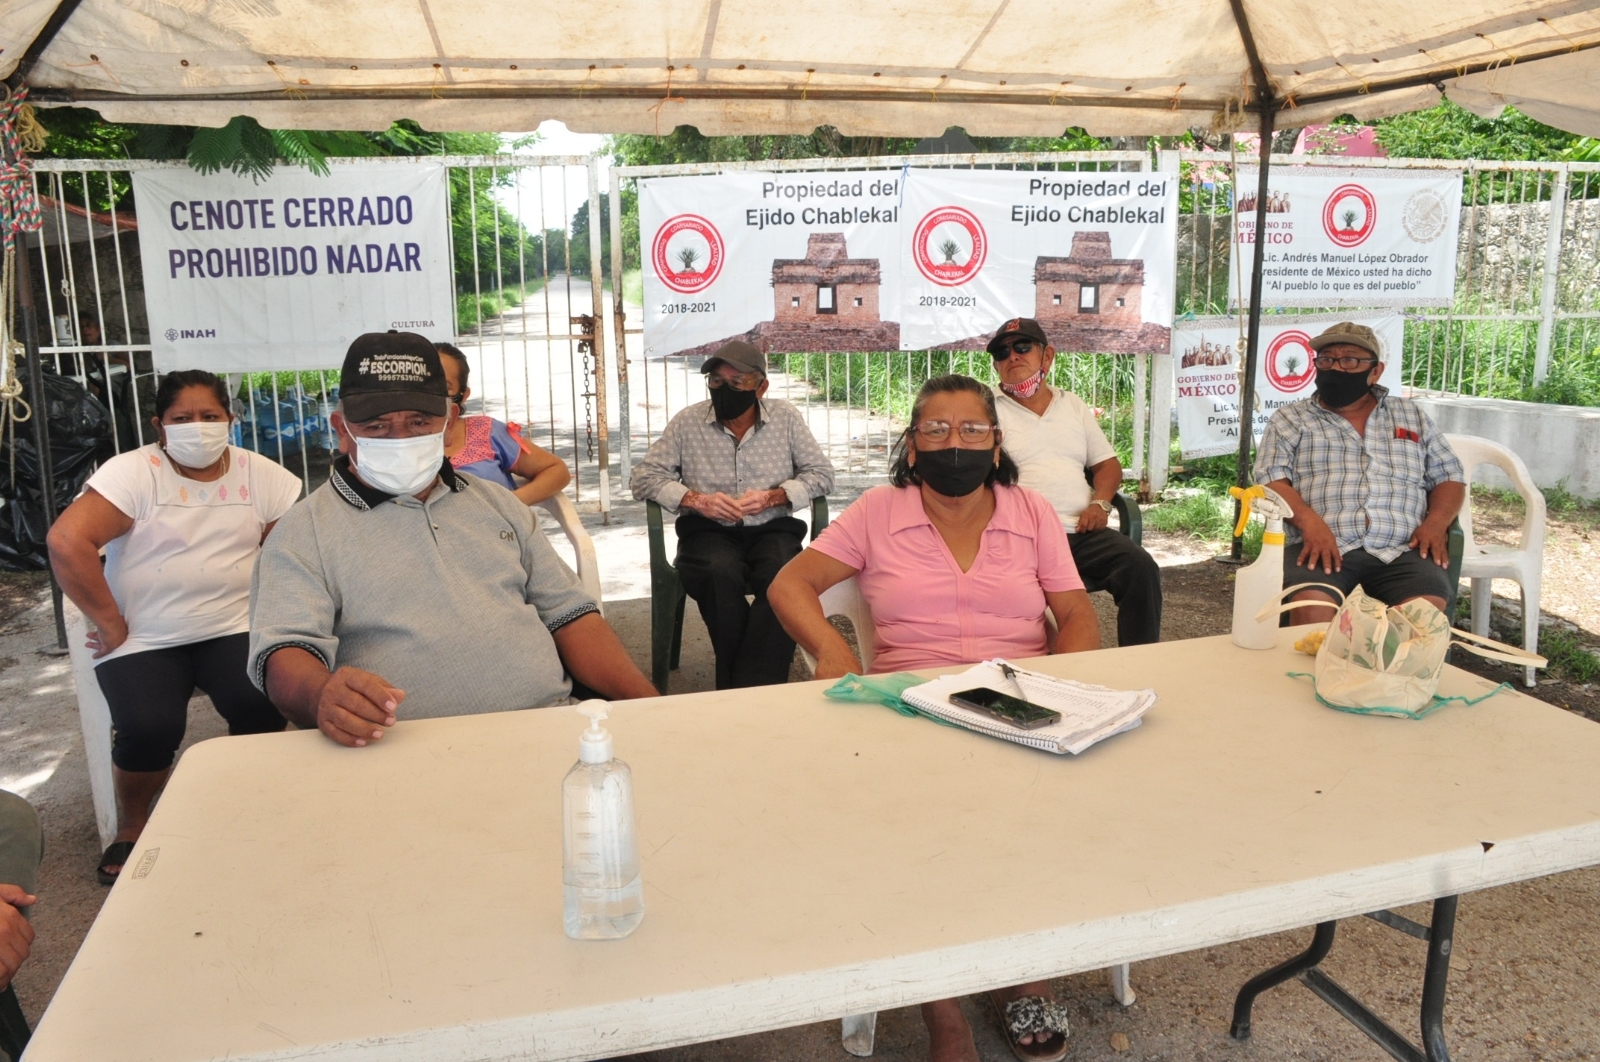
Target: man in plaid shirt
[{"x": 1373, "y": 485}]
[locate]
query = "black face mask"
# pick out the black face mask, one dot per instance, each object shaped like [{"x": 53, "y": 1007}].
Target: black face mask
[
  {"x": 955, "y": 472},
  {"x": 730, "y": 404},
  {"x": 1339, "y": 389}
]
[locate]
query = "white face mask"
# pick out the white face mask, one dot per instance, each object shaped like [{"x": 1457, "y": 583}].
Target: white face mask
[
  {"x": 400, "y": 466},
  {"x": 198, "y": 444}
]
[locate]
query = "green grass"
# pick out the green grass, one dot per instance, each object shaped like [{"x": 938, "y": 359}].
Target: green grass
[
  {"x": 633, "y": 286},
  {"x": 1568, "y": 655},
  {"x": 473, "y": 308}
]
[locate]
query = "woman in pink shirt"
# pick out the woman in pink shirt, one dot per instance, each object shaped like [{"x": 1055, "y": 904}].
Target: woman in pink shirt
[{"x": 958, "y": 565}]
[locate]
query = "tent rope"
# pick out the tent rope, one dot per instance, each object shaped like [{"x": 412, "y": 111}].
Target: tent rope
[
  {"x": 668, "y": 98},
  {"x": 20, "y": 133}
]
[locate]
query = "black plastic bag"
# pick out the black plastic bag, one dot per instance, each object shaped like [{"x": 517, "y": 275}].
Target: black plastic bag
[{"x": 80, "y": 438}]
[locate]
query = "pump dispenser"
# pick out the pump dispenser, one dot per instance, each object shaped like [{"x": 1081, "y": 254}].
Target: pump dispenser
[
  {"x": 603, "y": 886},
  {"x": 1259, "y": 585}
]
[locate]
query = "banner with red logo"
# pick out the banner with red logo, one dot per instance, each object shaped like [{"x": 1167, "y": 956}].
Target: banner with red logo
[
  {"x": 791, "y": 262},
  {"x": 1349, "y": 237},
  {"x": 1090, "y": 255},
  {"x": 1209, "y": 353}
]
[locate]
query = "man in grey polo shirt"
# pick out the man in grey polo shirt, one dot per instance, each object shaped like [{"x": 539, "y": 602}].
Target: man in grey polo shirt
[
  {"x": 734, "y": 468},
  {"x": 401, "y": 582}
]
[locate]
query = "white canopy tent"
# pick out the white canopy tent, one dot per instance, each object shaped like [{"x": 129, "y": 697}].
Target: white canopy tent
[
  {"x": 880, "y": 67},
  {"x": 1563, "y": 91},
  {"x": 869, "y": 67}
]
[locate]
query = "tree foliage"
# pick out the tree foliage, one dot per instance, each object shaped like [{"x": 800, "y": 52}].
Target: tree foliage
[{"x": 1448, "y": 131}]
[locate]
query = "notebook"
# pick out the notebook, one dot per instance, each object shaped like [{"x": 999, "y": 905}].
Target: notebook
[{"x": 1088, "y": 713}]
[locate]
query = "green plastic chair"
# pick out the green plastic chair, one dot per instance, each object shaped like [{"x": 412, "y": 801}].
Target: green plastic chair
[
  {"x": 667, "y": 596},
  {"x": 1130, "y": 522}
]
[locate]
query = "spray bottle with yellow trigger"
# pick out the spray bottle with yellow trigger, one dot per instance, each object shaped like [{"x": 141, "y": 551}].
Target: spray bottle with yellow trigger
[{"x": 1260, "y": 584}]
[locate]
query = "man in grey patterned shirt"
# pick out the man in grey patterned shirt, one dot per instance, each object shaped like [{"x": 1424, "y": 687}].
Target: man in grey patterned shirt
[
  {"x": 1373, "y": 484},
  {"x": 734, "y": 468},
  {"x": 403, "y": 589}
]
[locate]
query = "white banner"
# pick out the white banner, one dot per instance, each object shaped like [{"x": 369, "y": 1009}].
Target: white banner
[
  {"x": 1209, "y": 354},
  {"x": 1092, "y": 256},
  {"x": 1349, "y": 237},
  {"x": 788, "y": 261},
  {"x": 282, "y": 274}
]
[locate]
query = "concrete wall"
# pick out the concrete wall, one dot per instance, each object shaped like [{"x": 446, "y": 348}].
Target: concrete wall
[{"x": 1556, "y": 442}]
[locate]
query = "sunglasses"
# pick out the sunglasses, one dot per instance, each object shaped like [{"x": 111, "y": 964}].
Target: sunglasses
[{"x": 1016, "y": 346}]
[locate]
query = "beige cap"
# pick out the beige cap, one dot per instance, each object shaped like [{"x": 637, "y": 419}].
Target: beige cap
[{"x": 1355, "y": 335}]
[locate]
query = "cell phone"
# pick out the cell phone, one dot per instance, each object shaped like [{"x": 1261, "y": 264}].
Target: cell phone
[{"x": 1024, "y": 715}]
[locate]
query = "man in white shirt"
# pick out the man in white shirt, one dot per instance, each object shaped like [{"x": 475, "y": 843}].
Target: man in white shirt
[{"x": 1053, "y": 437}]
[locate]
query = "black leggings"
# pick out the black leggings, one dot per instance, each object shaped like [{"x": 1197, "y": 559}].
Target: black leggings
[{"x": 148, "y": 694}]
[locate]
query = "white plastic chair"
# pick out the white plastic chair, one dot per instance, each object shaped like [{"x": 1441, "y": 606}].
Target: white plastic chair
[
  {"x": 844, "y": 599},
  {"x": 94, "y": 716},
  {"x": 858, "y": 1031},
  {"x": 565, "y": 514},
  {"x": 1484, "y": 563}
]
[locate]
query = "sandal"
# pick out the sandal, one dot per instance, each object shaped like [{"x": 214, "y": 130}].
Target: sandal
[
  {"x": 1036, "y": 1016},
  {"x": 115, "y": 855}
]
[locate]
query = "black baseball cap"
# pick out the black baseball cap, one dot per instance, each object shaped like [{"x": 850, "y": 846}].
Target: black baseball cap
[
  {"x": 1017, "y": 326},
  {"x": 385, "y": 372},
  {"x": 746, "y": 357}
]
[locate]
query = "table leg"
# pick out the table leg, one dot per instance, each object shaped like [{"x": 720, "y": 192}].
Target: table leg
[
  {"x": 1441, "y": 940},
  {"x": 1440, "y": 937},
  {"x": 1321, "y": 944}
]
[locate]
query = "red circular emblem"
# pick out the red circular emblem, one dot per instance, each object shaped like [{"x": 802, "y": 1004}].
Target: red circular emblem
[
  {"x": 948, "y": 263},
  {"x": 691, "y": 262},
  {"x": 1291, "y": 362},
  {"x": 1349, "y": 215}
]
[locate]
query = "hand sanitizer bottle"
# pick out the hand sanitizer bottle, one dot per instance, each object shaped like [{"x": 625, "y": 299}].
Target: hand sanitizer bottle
[
  {"x": 1260, "y": 584},
  {"x": 604, "y": 894}
]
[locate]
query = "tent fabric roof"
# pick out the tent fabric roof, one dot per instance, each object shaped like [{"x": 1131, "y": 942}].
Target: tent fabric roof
[
  {"x": 868, "y": 67},
  {"x": 1563, "y": 91}
]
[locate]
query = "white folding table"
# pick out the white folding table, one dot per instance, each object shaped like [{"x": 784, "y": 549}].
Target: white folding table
[{"x": 803, "y": 860}]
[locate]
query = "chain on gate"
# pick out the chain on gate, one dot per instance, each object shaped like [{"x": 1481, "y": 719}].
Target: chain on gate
[{"x": 585, "y": 325}]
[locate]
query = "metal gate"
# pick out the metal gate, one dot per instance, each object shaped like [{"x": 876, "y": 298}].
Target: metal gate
[{"x": 533, "y": 330}]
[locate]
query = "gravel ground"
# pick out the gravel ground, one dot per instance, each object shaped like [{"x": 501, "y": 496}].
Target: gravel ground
[{"x": 1521, "y": 986}]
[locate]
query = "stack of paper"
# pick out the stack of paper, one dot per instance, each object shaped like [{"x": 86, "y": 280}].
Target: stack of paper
[{"x": 1088, "y": 713}]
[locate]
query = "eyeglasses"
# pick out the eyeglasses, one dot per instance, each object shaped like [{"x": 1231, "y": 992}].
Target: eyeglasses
[
  {"x": 1016, "y": 346},
  {"x": 744, "y": 382},
  {"x": 1345, "y": 363},
  {"x": 972, "y": 431}
]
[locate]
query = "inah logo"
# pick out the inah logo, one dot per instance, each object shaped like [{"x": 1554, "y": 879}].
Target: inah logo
[
  {"x": 171, "y": 334},
  {"x": 175, "y": 334}
]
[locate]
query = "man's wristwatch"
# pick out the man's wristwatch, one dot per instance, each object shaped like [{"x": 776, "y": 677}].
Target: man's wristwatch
[{"x": 1104, "y": 505}]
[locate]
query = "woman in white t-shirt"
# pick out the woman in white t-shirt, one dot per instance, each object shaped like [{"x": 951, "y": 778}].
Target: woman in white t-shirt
[{"x": 181, "y": 521}]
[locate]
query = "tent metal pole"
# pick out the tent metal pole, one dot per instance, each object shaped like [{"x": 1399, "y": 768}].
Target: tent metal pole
[
  {"x": 47, "y": 34},
  {"x": 1252, "y": 352},
  {"x": 41, "y": 413}
]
